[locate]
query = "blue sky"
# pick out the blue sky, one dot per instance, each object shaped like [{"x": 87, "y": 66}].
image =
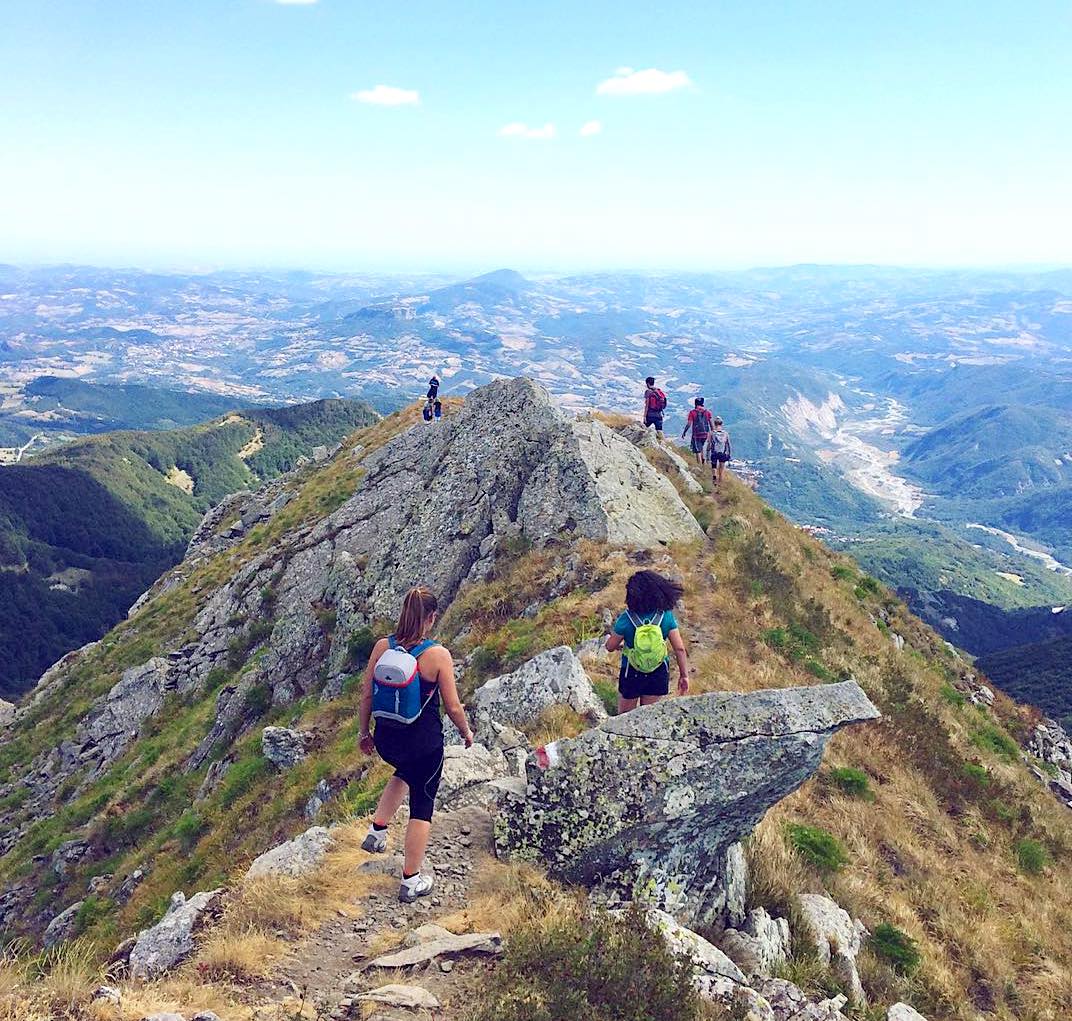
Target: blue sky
[{"x": 251, "y": 132}]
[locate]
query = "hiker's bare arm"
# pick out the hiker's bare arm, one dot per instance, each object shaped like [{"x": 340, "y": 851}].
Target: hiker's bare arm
[
  {"x": 614, "y": 642},
  {"x": 366, "y": 696},
  {"x": 448, "y": 691},
  {"x": 677, "y": 643}
]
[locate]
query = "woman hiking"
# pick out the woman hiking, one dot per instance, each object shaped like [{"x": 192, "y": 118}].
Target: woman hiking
[
  {"x": 648, "y": 631},
  {"x": 407, "y": 677}
]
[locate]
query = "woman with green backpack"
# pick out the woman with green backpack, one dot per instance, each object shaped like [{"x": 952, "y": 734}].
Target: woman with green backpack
[{"x": 647, "y": 633}]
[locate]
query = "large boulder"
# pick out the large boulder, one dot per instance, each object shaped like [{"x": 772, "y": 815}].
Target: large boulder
[
  {"x": 295, "y": 857},
  {"x": 648, "y": 806},
  {"x": 171, "y": 940},
  {"x": 552, "y": 678},
  {"x": 760, "y": 945},
  {"x": 64, "y": 926},
  {"x": 7, "y": 711}
]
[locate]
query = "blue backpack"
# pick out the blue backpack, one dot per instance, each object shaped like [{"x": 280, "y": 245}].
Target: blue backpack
[{"x": 396, "y": 683}]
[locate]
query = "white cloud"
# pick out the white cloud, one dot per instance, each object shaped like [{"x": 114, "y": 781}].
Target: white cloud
[
  {"x": 589, "y": 128},
  {"x": 518, "y": 129},
  {"x": 649, "y": 82},
  {"x": 385, "y": 95}
]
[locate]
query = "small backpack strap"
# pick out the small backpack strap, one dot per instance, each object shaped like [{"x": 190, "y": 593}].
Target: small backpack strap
[
  {"x": 421, "y": 647},
  {"x": 391, "y": 643}
]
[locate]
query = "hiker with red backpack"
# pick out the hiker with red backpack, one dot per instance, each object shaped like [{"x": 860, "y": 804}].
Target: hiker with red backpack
[
  {"x": 654, "y": 406},
  {"x": 407, "y": 676},
  {"x": 699, "y": 423},
  {"x": 647, "y": 633}
]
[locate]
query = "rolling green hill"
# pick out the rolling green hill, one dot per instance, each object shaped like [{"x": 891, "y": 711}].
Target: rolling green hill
[{"x": 87, "y": 527}]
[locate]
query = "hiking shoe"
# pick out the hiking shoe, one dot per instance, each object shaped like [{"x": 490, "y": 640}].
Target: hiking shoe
[
  {"x": 416, "y": 886},
  {"x": 375, "y": 841}
]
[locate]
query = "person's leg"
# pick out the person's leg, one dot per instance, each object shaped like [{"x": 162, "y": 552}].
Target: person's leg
[
  {"x": 650, "y": 699},
  {"x": 417, "y": 833},
  {"x": 721, "y": 469},
  {"x": 390, "y": 800},
  {"x": 626, "y": 705}
]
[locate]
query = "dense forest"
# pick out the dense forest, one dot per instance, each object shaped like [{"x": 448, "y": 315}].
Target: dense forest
[
  {"x": 87, "y": 527},
  {"x": 1040, "y": 673}
]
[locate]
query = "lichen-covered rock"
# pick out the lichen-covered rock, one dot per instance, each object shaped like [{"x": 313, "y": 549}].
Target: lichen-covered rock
[
  {"x": 554, "y": 677},
  {"x": 296, "y": 857},
  {"x": 282, "y": 747},
  {"x": 169, "y": 942},
  {"x": 706, "y": 958},
  {"x": 68, "y": 854},
  {"x": 647, "y": 805},
  {"x": 64, "y": 926},
  {"x": 7, "y": 711},
  {"x": 760, "y": 945},
  {"x": 836, "y": 938},
  {"x": 469, "y": 776}
]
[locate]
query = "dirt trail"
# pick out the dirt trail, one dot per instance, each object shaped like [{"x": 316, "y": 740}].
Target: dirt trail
[{"x": 326, "y": 967}]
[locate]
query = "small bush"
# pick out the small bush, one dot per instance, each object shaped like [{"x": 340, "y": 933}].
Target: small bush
[
  {"x": 593, "y": 967},
  {"x": 359, "y": 647},
  {"x": 821, "y": 849},
  {"x": 842, "y": 572},
  {"x": 769, "y": 513},
  {"x": 188, "y": 829},
  {"x": 1031, "y": 856},
  {"x": 976, "y": 773},
  {"x": 852, "y": 781},
  {"x": 899, "y": 950}
]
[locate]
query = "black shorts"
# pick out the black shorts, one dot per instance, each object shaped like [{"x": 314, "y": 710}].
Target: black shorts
[
  {"x": 421, "y": 773},
  {"x": 633, "y": 684},
  {"x": 717, "y": 458},
  {"x": 653, "y": 419}
]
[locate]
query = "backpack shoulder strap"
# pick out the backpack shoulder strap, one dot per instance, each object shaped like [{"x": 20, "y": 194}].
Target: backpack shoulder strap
[
  {"x": 391, "y": 643},
  {"x": 422, "y": 647}
]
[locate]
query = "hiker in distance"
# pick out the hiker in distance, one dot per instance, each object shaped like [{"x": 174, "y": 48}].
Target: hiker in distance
[
  {"x": 407, "y": 677},
  {"x": 654, "y": 406},
  {"x": 433, "y": 389},
  {"x": 699, "y": 424},
  {"x": 718, "y": 448},
  {"x": 647, "y": 632}
]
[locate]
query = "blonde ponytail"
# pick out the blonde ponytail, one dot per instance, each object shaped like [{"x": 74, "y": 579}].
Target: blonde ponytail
[{"x": 417, "y": 610}]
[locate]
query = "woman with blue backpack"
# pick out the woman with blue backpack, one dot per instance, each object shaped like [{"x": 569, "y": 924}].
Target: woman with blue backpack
[
  {"x": 408, "y": 676},
  {"x": 647, "y": 633}
]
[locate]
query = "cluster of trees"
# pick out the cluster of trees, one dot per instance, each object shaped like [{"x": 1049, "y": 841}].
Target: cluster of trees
[{"x": 1040, "y": 673}]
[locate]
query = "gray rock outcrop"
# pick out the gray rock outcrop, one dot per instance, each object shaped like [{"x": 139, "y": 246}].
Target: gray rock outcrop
[
  {"x": 647, "y": 806},
  {"x": 836, "y": 938},
  {"x": 486, "y": 943},
  {"x": 554, "y": 677},
  {"x": 169, "y": 942},
  {"x": 295, "y": 857},
  {"x": 67, "y": 855},
  {"x": 7, "y": 712},
  {"x": 760, "y": 945},
  {"x": 64, "y": 926},
  {"x": 903, "y": 1012},
  {"x": 282, "y": 747}
]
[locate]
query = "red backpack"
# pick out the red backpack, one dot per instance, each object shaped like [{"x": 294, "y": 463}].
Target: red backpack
[{"x": 656, "y": 400}]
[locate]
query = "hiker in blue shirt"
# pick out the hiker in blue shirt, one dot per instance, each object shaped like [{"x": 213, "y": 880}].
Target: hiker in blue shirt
[{"x": 647, "y": 632}]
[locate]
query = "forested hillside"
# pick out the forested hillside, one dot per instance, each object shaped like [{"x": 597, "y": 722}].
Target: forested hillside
[
  {"x": 86, "y": 528},
  {"x": 1039, "y": 673}
]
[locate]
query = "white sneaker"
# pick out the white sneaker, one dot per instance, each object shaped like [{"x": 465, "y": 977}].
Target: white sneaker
[
  {"x": 416, "y": 886},
  {"x": 375, "y": 841}
]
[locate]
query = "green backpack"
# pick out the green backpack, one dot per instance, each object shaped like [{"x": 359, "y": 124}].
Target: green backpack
[{"x": 648, "y": 651}]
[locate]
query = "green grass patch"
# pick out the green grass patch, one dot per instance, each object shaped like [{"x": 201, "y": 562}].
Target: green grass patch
[
  {"x": 992, "y": 738},
  {"x": 1031, "y": 856},
  {"x": 894, "y": 946},
  {"x": 951, "y": 696},
  {"x": 608, "y": 695},
  {"x": 818, "y": 847},
  {"x": 852, "y": 781}
]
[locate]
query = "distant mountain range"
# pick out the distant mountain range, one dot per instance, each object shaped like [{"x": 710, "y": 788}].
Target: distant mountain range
[
  {"x": 922, "y": 419},
  {"x": 86, "y": 527}
]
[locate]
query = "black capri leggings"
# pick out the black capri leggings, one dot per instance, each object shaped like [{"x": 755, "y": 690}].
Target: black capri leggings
[{"x": 422, "y": 775}]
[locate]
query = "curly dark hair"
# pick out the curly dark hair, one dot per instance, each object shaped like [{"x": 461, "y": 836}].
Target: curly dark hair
[{"x": 647, "y": 592}]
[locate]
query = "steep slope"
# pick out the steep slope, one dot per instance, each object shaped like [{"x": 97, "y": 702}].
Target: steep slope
[
  {"x": 1037, "y": 672},
  {"x": 87, "y": 527},
  {"x": 137, "y": 767}
]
